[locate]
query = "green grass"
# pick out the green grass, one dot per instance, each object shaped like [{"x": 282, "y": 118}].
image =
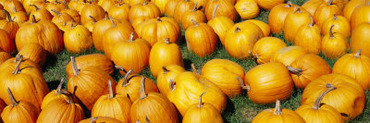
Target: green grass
[{"x": 240, "y": 109}]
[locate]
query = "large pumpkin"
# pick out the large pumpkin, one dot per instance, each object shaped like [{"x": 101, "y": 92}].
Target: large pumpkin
[
  {"x": 91, "y": 60},
  {"x": 268, "y": 82},
  {"x": 247, "y": 9},
  {"x": 181, "y": 7},
  {"x": 265, "y": 48},
  {"x": 277, "y": 16},
  {"x": 119, "y": 11},
  {"x": 93, "y": 10},
  {"x": 351, "y": 6},
  {"x": 57, "y": 94},
  {"x": 287, "y": 55},
  {"x": 194, "y": 14},
  {"x": 278, "y": 115},
  {"x": 220, "y": 25},
  {"x": 98, "y": 31},
  {"x": 294, "y": 20},
  {"x": 77, "y": 39},
  {"x": 348, "y": 99},
  {"x": 201, "y": 39},
  {"x": 166, "y": 76},
  {"x": 360, "y": 15},
  {"x": 360, "y": 39},
  {"x": 309, "y": 38},
  {"x": 225, "y": 8},
  {"x": 334, "y": 44},
  {"x": 146, "y": 9},
  {"x": 341, "y": 25}
]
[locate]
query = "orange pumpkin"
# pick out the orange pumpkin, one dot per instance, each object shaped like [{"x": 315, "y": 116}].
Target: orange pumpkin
[
  {"x": 274, "y": 84},
  {"x": 307, "y": 68},
  {"x": 106, "y": 4},
  {"x": 130, "y": 85},
  {"x": 93, "y": 10},
  {"x": 72, "y": 12},
  {"x": 34, "y": 52},
  {"x": 12, "y": 5},
  {"x": 220, "y": 25},
  {"x": 41, "y": 13},
  {"x": 341, "y": 25},
  {"x": 348, "y": 99},
  {"x": 351, "y": 6},
  {"x": 56, "y": 94},
  {"x": 225, "y": 8},
  {"x": 4, "y": 56},
  {"x": 360, "y": 15},
  {"x": 269, "y": 4},
  {"x": 311, "y": 5},
  {"x": 100, "y": 120},
  {"x": 91, "y": 60},
  {"x": 56, "y": 5},
  {"x": 181, "y": 7},
  {"x": 287, "y": 55},
  {"x": 60, "y": 19},
  {"x": 167, "y": 76},
  {"x": 201, "y": 4},
  {"x": 146, "y": 9},
  {"x": 161, "y": 4},
  {"x": 194, "y": 14},
  {"x": 247, "y": 9},
  {"x": 6, "y": 44},
  {"x": 278, "y": 115},
  {"x": 201, "y": 39},
  {"x": 325, "y": 11},
  {"x": 277, "y": 16},
  {"x": 171, "y": 7},
  {"x": 119, "y": 11},
  {"x": 265, "y": 48},
  {"x": 360, "y": 39},
  {"x": 77, "y": 39},
  {"x": 294, "y": 20},
  {"x": 9, "y": 25},
  {"x": 309, "y": 38},
  {"x": 262, "y": 25},
  {"x": 334, "y": 44},
  {"x": 98, "y": 30},
  {"x": 19, "y": 16},
  {"x": 90, "y": 24}
]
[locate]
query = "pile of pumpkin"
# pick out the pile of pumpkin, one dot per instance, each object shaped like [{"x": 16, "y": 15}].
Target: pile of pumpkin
[{"x": 133, "y": 35}]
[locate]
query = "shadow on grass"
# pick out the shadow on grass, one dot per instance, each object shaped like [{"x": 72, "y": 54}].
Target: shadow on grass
[{"x": 53, "y": 84}]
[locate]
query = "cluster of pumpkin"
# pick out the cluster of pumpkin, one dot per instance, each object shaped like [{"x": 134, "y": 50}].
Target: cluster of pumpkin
[{"x": 133, "y": 35}]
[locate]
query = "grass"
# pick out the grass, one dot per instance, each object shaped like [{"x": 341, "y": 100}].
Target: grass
[{"x": 240, "y": 109}]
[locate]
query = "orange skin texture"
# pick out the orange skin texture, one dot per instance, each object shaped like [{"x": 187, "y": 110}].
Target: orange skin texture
[
  {"x": 161, "y": 4},
  {"x": 52, "y": 96},
  {"x": 132, "y": 88},
  {"x": 196, "y": 15},
  {"x": 360, "y": 15},
  {"x": 201, "y": 39},
  {"x": 119, "y": 33},
  {"x": 4, "y": 56},
  {"x": 98, "y": 32},
  {"x": 148, "y": 10},
  {"x": 181, "y": 7},
  {"x": 247, "y": 9},
  {"x": 264, "y": 27},
  {"x": 119, "y": 11},
  {"x": 288, "y": 55},
  {"x": 293, "y": 21},
  {"x": 101, "y": 119},
  {"x": 311, "y": 5},
  {"x": 264, "y": 48},
  {"x": 309, "y": 38},
  {"x": 170, "y": 8},
  {"x": 34, "y": 52},
  {"x": 207, "y": 113},
  {"x": 202, "y": 3},
  {"x": 116, "y": 107},
  {"x": 287, "y": 116},
  {"x": 91, "y": 60},
  {"x": 23, "y": 112},
  {"x": 163, "y": 54},
  {"x": 334, "y": 47},
  {"x": 360, "y": 39},
  {"x": 221, "y": 25},
  {"x": 164, "y": 78},
  {"x": 11, "y": 27},
  {"x": 351, "y": 6},
  {"x": 91, "y": 10},
  {"x": 6, "y": 44},
  {"x": 225, "y": 8},
  {"x": 106, "y": 4},
  {"x": 269, "y": 4},
  {"x": 61, "y": 111},
  {"x": 326, "y": 114},
  {"x": 77, "y": 39},
  {"x": 325, "y": 11},
  {"x": 41, "y": 14},
  {"x": 277, "y": 16},
  {"x": 341, "y": 25}
]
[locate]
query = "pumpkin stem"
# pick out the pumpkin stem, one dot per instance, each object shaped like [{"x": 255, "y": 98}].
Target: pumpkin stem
[
  {"x": 278, "y": 110},
  {"x": 142, "y": 88},
  {"x": 93, "y": 19},
  {"x": 70, "y": 96},
  {"x": 12, "y": 99},
  {"x": 37, "y": 8},
  {"x": 111, "y": 94},
  {"x": 71, "y": 24},
  {"x": 65, "y": 4},
  {"x": 91, "y": 1},
  {"x": 34, "y": 19},
  {"x": 120, "y": 68},
  {"x": 194, "y": 22},
  {"x": 59, "y": 88},
  {"x": 159, "y": 19},
  {"x": 195, "y": 6},
  {"x": 329, "y": 2},
  {"x": 297, "y": 10},
  {"x": 311, "y": 22},
  {"x": 120, "y": 2},
  {"x": 125, "y": 82},
  {"x": 55, "y": 11},
  {"x": 200, "y": 103},
  {"x": 358, "y": 53},
  {"x": 165, "y": 70},
  {"x": 132, "y": 36},
  {"x": 242, "y": 83},
  {"x": 93, "y": 119},
  {"x": 193, "y": 68},
  {"x": 19, "y": 61},
  {"x": 214, "y": 11},
  {"x": 145, "y": 2},
  {"x": 296, "y": 71},
  {"x": 335, "y": 17},
  {"x": 111, "y": 20},
  {"x": 167, "y": 41},
  {"x": 331, "y": 32},
  {"x": 75, "y": 70},
  {"x": 147, "y": 119},
  {"x": 172, "y": 84},
  {"x": 288, "y": 4},
  {"x": 237, "y": 29},
  {"x": 317, "y": 104},
  {"x": 8, "y": 15}
]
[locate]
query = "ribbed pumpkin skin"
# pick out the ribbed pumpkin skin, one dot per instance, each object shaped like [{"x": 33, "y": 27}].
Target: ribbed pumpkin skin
[
  {"x": 6, "y": 44},
  {"x": 278, "y": 115},
  {"x": 309, "y": 38},
  {"x": 287, "y": 55},
  {"x": 91, "y": 60},
  {"x": 269, "y": 82},
  {"x": 202, "y": 3},
  {"x": 294, "y": 20},
  {"x": 120, "y": 11},
  {"x": 23, "y": 112},
  {"x": 131, "y": 88},
  {"x": 10, "y": 26},
  {"x": 356, "y": 66},
  {"x": 201, "y": 39},
  {"x": 61, "y": 111},
  {"x": 341, "y": 25},
  {"x": 93, "y": 10},
  {"x": 118, "y": 33},
  {"x": 311, "y": 5},
  {"x": 224, "y": 73},
  {"x": 60, "y": 19},
  {"x": 34, "y": 52},
  {"x": 334, "y": 45},
  {"x": 118, "y": 107},
  {"x": 161, "y": 4},
  {"x": 277, "y": 16},
  {"x": 360, "y": 39},
  {"x": 181, "y": 7},
  {"x": 106, "y": 4},
  {"x": 360, "y": 15},
  {"x": 77, "y": 39},
  {"x": 247, "y": 9},
  {"x": 221, "y": 25},
  {"x": 326, "y": 114},
  {"x": 240, "y": 39},
  {"x": 170, "y": 7},
  {"x": 264, "y": 48},
  {"x": 164, "y": 78},
  {"x": 101, "y": 119},
  {"x": 312, "y": 66},
  {"x": 155, "y": 107},
  {"x": 348, "y": 98},
  {"x": 196, "y": 15},
  {"x": 4, "y": 56},
  {"x": 325, "y": 11},
  {"x": 158, "y": 29},
  {"x": 98, "y": 32},
  {"x": 351, "y": 6},
  {"x": 225, "y": 8},
  {"x": 73, "y": 13},
  {"x": 145, "y": 9},
  {"x": 207, "y": 113},
  {"x": 262, "y": 25},
  {"x": 162, "y": 54},
  {"x": 51, "y": 96},
  {"x": 269, "y": 4}
]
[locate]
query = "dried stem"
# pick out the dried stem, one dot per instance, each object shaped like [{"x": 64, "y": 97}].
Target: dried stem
[
  {"x": 311, "y": 22},
  {"x": 12, "y": 99},
  {"x": 55, "y": 11},
  {"x": 75, "y": 70},
  {"x": 37, "y": 8},
  {"x": 278, "y": 110},
  {"x": 167, "y": 41},
  {"x": 200, "y": 102},
  {"x": 237, "y": 29},
  {"x": 34, "y": 19},
  {"x": 288, "y": 4},
  {"x": 296, "y": 71},
  {"x": 145, "y": 2},
  {"x": 214, "y": 11},
  {"x": 19, "y": 61},
  {"x": 242, "y": 84},
  {"x": 195, "y": 6},
  {"x": 165, "y": 70},
  {"x": 125, "y": 79},
  {"x": 59, "y": 88},
  {"x": 93, "y": 19},
  {"x": 335, "y": 17},
  {"x": 8, "y": 15},
  {"x": 319, "y": 99},
  {"x": 331, "y": 32},
  {"x": 142, "y": 88},
  {"x": 172, "y": 85},
  {"x": 93, "y": 119},
  {"x": 358, "y": 53},
  {"x": 111, "y": 20},
  {"x": 131, "y": 39},
  {"x": 193, "y": 68},
  {"x": 111, "y": 94},
  {"x": 194, "y": 22}
]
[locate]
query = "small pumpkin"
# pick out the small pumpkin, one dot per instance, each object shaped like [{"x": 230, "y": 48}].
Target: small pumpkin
[
  {"x": 264, "y": 48},
  {"x": 325, "y": 11},
  {"x": 146, "y": 9},
  {"x": 34, "y": 52},
  {"x": 334, "y": 44},
  {"x": 19, "y": 16},
  {"x": 91, "y": 60},
  {"x": 293, "y": 21},
  {"x": 100, "y": 119},
  {"x": 262, "y": 25},
  {"x": 72, "y": 12},
  {"x": 119, "y": 11},
  {"x": 225, "y": 8},
  {"x": 288, "y": 55},
  {"x": 360, "y": 15},
  {"x": 201, "y": 39},
  {"x": 341, "y": 25},
  {"x": 56, "y": 5},
  {"x": 269, "y": 4},
  {"x": 220, "y": 25},
  {"x": 77, "y": 39},
  {"x": 278, "y": 115},
  {"x": 311, "y": 5},
  {"x": 194, "y": 14},
  {"x": 247, "y": 9},
  {"x": 181, "y": 7},
  {"x": 9, "y": 25},
  {"x": 60, "y": 19},
  {"x": 6, "y": 44},
  {"x": 202, "y": 113},
  {"x": 93, "y": 10},
  {"x": 360, "y": 39},
  {"x": 41, "y": 13},
  {"x": 309, "y": 38},
  {"x": 167, "y": 76},
  {"x": 277, "y": 16}
]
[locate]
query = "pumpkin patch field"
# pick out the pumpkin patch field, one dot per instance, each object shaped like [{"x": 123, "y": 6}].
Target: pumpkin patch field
[{"x": 191, "y": 61}]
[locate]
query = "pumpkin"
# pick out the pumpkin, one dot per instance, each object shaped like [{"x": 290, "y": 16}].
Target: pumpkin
[
  {"x": 72, "y": 12},
  {"x": 360, "y": 39},
  {"x": 307, "y": 68},
  {"x": 186, "y": 87},
  {"x": 39, "y": 4},
  {"x": 135, "y": 2},
  {"x": 348, "y": 99},
  {"x": 119, "y": 11},
  {"x": 325, "y": 11},
  {"x": 6, "y": 44},
  {"x": 311, "y": 5},
  {"x": 201, "y": 39},
  {"x": 93, "y": 10},
  {"x": 100, "y": 119},
  {"x": 339, "y": 3},
  {"x": 341, "y": 25},
  {"x": 334, "y": 44},
  {"x": 201, "y": 4},
  {"x": 162, "y": 54},
  {"x": 240, "y": 39},
  {"x": 262, "y": 25},
  {"x": 112, "y": 105},
  {"x": 60, "y": 19},
  {"x": 194, "y": 14},
  {"x": 202, "y": 113},
  {"x": 227, "y": 75},
  {"x": 361, "y": 14},
  {"x": 9, "y": 25},
  {"x": 90, "y": 24},
  {"x": 77, "y": 39},
  {"x": 12, "y": 5},
  {"x": 25, "y": 76},
  {"x": 34, "y": 52},
  {"x": 293, "y": 21},
  {"x": 41, "y": 13},
  {"x": 154, "y": 30},
  {"x": 269, "y": 4},
  {"x": 278, "y": 115},
  {"x": 247, "y": 9},
  {"x": 56, "y": 94},
  {"x": 351, "y": 6},
  {"x": 27, "y": 3},
  {"x": 19, "y": 111},
  {"x": 19, "y": 16},
  {"x": 225, "y": 8},
  {"x": 138, "y": 21},
  {"x": 287, "y": 55},
  {"x": 35, "y": 32},
  {"x": 4, "y": 56},
  {"x": 91, "y": 60},
  {"x": 277, "y": 16},
  {"x": 356, "y": 66},
  {"x": 149, "y": 106},
  {"x": 106, "y": 4},
  {"x": 161, "y": 4},
  {"x": 130, "y": 85},
  {"x": 170, "y": 8},
  {"x": 320, "y": 112},
  {"x": 146, "y": 9},
  {"x": 274, "y": 84},
  {"x": 181, "y": 7},
  {"x": 62, "y": 110},
  {"x": 309, "y": 38},
  {"x": 92, "y": 76},
  {"x": 166, "y": 76},
  {"x": 131, "y": 54},
  {"x": 264, "y": 48},
  {"x": 56, "y": 5},
  {"x": 220, "y": 25},
  {"x": 99, "y": 28}
]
